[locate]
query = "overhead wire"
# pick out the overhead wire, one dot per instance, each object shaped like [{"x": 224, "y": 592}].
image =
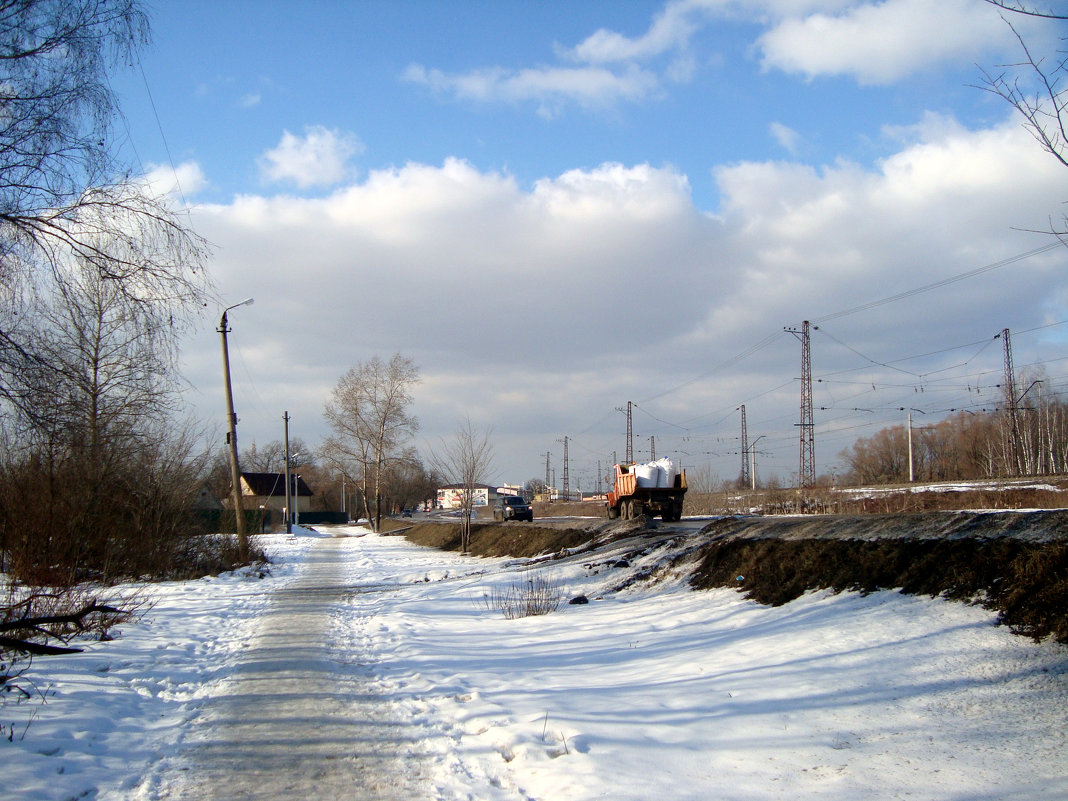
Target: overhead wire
[{"x": 944, "y": 282}]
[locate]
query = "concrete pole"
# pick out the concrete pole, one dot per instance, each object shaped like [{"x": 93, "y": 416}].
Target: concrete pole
[
  {"x": 910, "y": 447},
  {"x": 231, "y": 437},
  {"x": 289, "y": 503}
]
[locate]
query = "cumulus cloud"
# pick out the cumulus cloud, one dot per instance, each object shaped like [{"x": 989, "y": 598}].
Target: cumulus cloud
[
  {"x": 185, "y": 180},
  {"x": 607, "y": 284},
  {"x": 318, "y": 158}
]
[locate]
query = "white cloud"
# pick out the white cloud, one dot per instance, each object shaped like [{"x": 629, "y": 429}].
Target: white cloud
[
  {"x": 872, "y": 42},
  {"x": 670, "y": 30},
  {"x": 589, "y": 87},
  {"x": 879, "y": 43},
  {"x": 319, "y": 158},
  {"x": 185, "y": 180},
  {"x": 787, "y": 137}
]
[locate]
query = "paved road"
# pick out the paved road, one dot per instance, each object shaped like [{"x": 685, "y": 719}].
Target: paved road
[{"x": 296, "y": 721}]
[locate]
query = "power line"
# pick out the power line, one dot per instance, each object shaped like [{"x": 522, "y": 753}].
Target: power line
[{"x": 944, "y": 282}]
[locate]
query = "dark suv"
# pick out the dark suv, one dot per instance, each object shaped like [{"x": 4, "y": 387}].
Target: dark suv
[{"x": 512, "y": 507}]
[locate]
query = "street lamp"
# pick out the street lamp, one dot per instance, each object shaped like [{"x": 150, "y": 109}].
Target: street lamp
[{"x": 231, "y": 435}]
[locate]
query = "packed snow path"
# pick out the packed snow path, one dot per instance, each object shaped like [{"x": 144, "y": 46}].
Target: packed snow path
[{"x": 297, "y": 720}]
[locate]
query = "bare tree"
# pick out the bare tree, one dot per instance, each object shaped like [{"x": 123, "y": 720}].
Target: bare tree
[
  {"x": 535, "y": 486},
  {"x": 1035, "y": 87},
  {"x": 66, "y": 205},
  {"x": 465, "y": 460},
  {"x": 369, "y": 415},
  {"x": 1027, "y": 10},
  {"x": 271, "y": 458}
]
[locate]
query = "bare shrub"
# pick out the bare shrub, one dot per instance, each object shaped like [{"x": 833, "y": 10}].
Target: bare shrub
[
  {"x": 537, "y": 595},
  {"x": 36, "y": 622}
]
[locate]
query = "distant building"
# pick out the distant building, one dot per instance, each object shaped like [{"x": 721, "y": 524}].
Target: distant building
[{"x": 269, "y": 491}]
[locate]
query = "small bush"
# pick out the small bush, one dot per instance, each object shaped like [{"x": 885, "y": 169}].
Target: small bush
[{"x": 538, "y": 595}]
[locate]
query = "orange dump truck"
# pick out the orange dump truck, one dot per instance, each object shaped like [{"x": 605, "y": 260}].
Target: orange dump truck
[{"x": 651, "y": 489}]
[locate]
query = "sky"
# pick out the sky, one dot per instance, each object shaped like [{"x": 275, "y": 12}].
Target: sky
[
  {"x": 556, "y": 208},
  {"x": 655, "y": 691}
]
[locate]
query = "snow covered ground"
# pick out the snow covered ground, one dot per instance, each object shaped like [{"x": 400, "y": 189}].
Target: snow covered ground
[
  {"x": 654, "y": 692},
  {"x": 949, "y": 486}
]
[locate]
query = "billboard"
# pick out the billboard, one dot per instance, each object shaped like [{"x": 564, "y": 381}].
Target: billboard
[{"x": 452, "y": 497}]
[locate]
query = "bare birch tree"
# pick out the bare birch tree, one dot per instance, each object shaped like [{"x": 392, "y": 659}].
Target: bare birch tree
[{"x": 369, "y": 413}]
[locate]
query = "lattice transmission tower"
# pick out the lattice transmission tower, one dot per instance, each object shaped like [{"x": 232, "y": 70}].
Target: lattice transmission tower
[
  {"x": 806, "y": 469},
  {"x": 566, "y": 489},
  {"x": 630, "y": 432},
  {"x": 1012, "y": 404}
]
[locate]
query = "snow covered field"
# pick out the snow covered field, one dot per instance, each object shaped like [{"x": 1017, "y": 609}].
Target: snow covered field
[{"x": 655, "y": 692}]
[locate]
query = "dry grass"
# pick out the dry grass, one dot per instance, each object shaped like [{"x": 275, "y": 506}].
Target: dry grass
[{"x": 537, "y": 595}]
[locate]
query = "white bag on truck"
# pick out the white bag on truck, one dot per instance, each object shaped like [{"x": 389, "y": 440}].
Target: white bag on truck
[
  {"x": 647, "y": 475},
  {"x": 665, "y": 473}
]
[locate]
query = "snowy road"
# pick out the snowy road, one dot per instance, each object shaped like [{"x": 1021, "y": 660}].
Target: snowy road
[{"x": 297, "y": 720}]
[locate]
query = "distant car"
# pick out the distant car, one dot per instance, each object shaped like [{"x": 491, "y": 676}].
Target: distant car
[
  {"x": 512, "y": 507},
  {"x": 406, "y": 513}
]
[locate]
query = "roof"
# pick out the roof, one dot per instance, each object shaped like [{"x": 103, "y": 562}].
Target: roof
[{"x": 273, "y": 485}]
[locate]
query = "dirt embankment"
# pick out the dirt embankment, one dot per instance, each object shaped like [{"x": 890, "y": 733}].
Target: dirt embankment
[
  {"x": 1013, "y": 562},
  {"x": 509, "y": 539}
]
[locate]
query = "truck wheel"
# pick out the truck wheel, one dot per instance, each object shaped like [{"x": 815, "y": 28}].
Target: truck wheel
[{"x": 613, "y": 512}]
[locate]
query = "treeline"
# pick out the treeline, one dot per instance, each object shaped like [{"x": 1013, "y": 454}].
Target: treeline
[{"x": 966, "y": 445}]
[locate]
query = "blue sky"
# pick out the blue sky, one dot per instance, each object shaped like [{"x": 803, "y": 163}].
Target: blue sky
[{"x": 554, "y": 208}]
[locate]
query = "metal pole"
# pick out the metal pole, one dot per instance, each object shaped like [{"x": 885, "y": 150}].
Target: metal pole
[
  {"x": 910, "y": 447},
  {"x": 752, "y": 462},
  {"x": 231, "y": 437},
  {"x": 289, "y": 503}
]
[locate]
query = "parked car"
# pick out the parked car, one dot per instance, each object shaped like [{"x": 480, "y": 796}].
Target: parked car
[{"x": 512, "y": 507}]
